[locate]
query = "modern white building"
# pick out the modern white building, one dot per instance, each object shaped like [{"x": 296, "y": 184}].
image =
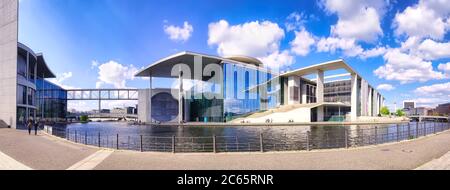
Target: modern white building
[
  {"x": 330, "y": 91},
  {"x": 24, "y": 92}
]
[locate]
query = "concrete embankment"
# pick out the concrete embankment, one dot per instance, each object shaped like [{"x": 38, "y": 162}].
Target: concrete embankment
[{"x": 48, "y": 152}]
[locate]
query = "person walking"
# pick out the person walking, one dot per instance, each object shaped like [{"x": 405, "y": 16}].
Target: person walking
[
  {"x": 36, "y": 125},
  {"x": 30, "y": 126}
]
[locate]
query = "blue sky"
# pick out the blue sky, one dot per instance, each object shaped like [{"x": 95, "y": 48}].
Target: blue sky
[{"x": 401, "y": 47}]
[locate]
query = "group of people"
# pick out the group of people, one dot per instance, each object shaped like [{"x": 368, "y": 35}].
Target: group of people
[{"x": 32, "y": 124}]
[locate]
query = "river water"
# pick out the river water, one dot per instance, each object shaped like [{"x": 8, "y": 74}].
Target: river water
[{"x": 189, "y": 139}]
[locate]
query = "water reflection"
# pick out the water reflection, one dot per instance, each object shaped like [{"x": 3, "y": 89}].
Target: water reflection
[{"x": 244, "y": 138}]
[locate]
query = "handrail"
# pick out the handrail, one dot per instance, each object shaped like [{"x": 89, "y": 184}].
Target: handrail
[{"x": 350, "y": 137}]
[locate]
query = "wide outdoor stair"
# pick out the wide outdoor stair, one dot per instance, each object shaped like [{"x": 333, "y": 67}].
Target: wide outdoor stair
[
  {"x": 3, "y": 124},
  {"x": 275, "y": 112},
  {"x": 280, "y": 109}
]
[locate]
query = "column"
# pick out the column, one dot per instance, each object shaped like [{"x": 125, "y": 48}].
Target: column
[
  {"x": 150, "y": 119},
  {"x": 320, "y": 113},
  {"x": 354, "y": 97},
  {"x": 319, "y": 87},
  {"x": 370, "y": 98},
  {"x": 180, "y": 97}
]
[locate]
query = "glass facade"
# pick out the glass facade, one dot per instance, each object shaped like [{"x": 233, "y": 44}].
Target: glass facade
[
  {"x": 51, "y": 100},
  {"x": 245, "y": 90},
  {"x": 310, "y": 94},
  {"x": 248, "y": 90},
  {"x": 338, "y": 91},
  {"x": 164, "y": 107}
]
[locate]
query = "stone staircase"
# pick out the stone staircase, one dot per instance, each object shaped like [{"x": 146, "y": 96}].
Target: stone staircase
[
  {"x": 3, "y": 124},
  {"x": 285, "y": 108}
]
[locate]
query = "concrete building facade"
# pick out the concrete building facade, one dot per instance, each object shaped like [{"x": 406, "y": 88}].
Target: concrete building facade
[
  {"x": 21, "y": 69},
  {"x": 246, "y": 87},
  {"x": 8, "y": 60}
]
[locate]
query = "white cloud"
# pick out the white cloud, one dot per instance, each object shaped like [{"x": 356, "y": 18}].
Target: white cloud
[
  {"x": 332, "y": 44},
  {"x": 406, "y": 68},
  {"x": 364, "y": 27},
  {"x": 357, "y": 19},
  {"x": 277, "y": 59},
  {"x": 295, "y": 21},
  {"x": 440, "y": 7},
  {"x": 115, "y": 74},
  {"x": 386, "y": 87},
  {"x": 425, "y": 19},
  {"x": 445, "y": 67},
  {"x": 177, "y": 33},
  {"x": 431, "y": 50},
  {"x": 255, "y": 39},
  {"x": 302, "y": 43},
  {"x": 374, "y": 52},
  {"x": 94, "y": 64},
  {"x": 442, "y": 89},
  {"x": 61, "y": 78}
]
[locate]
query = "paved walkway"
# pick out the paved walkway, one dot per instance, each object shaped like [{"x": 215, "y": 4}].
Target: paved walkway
[
  {"x": 8, "y": 163},
  {"x": 23, "y": 151},
  {"x": 442, "y": 163}
]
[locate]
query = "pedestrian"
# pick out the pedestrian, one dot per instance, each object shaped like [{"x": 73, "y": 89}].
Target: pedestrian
[
  {"x": 36, "y": 125},
  {"x": 30, "y": 126}
]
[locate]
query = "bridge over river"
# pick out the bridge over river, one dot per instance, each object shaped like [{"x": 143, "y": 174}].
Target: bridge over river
[{"x": 429, "y": 118}]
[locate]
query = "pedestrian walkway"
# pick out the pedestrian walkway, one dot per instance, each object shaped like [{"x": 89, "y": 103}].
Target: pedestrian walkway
[
  {"x": 442, "y": 163},
  {"x": 8, "y": 163},
  {"x": 91, "y": 161},
  {"x": 23, "y": 151},
  {"x": 41, "y": 151}
]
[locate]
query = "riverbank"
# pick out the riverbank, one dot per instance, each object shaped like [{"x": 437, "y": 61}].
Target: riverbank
[{"x": 48, "y": 152}]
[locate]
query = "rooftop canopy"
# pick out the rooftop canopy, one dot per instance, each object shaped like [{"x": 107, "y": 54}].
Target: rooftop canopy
[
  {"x": 326, "y": 66},
  {"x": 163, "y": 67},
  {"x": 42, "y": 69}
]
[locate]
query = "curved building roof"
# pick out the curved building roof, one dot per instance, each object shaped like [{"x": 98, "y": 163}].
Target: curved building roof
[
  {"x": 245, "y": 59},
  {"x": 163, "y": 67},
  {"x": 43, "y": 70}
]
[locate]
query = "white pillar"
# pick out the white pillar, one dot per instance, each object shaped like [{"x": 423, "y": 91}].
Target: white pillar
[
  {"x": 180, "y": 97},
  {"x": 319, "y": 87},
  {"x": 370, "y": 98},
  {"x": 293, "y": 84},
  {"x": 320, "y": 113},
  {"x": 150, "y": 119},
  {"x": 354, "y": 97}
]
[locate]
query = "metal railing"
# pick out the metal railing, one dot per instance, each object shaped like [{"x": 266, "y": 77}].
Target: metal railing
[{"x": 350, "y": 137}]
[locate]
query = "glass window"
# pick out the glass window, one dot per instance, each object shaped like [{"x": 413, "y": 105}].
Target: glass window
[
  {"x": 164, "y": 107},
  {"x": 21, "y": 94},
  {"x": 22, "y": 66},
  {"x": 21, "y": 116},
  {"x": 31, "y": 96}
]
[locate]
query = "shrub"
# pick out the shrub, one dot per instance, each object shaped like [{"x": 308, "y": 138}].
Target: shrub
[
  {"x": 84, "y": 118},
  {"x": 384, "y": 111}
]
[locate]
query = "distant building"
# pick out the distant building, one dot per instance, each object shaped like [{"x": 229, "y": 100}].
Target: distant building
[
  {"x": 131, "y": 110},
  {"x": 443, "y": 109},
  {"x": 431, "y": 112},
  {"x": 421, "y": 111},
  {"x": 409, "y": 104},
  {"x": 105, "y": 111}
]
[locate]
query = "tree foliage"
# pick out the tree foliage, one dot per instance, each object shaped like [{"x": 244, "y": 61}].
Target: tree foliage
[{"x": 384, "y": 111}]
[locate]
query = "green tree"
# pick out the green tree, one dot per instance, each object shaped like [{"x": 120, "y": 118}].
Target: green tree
[
  {"x": 84, "y": 118},
  {"x": 400, "y": 113},
  {"x": 384, "y": 111}
]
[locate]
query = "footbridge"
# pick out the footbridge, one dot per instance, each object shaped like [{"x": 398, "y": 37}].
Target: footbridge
[
  {"x": 102, "y": 94},
  {"x": 429, "y": 118}
]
